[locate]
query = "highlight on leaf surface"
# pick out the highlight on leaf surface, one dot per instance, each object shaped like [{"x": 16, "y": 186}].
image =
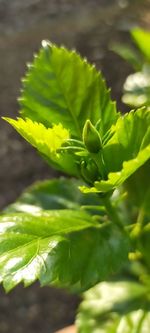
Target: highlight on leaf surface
[
  {"x": 49, "y": 235},
  {"x": 46, "y": 140},
  {"x": 61, "y": 247}
]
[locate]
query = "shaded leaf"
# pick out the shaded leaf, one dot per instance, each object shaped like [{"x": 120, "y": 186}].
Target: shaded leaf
[
  {"x": 129, "y": 54},
  {"x": 59, "y": 193}
]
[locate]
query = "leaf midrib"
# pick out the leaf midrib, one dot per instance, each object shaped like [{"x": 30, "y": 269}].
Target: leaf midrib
[{"x": 69, "y": 108}]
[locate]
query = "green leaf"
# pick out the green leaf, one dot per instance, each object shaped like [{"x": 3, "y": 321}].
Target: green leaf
[
  {"x": 47, "y": 141},
  {"x": 129, "y": 54},
  {"x": 114, "y": 308},
  {"x": 142, "y": 39},
  {"x": 61, "y": 87},
  {"x": 126, "y": 151},
  {"x": 137, "y": 89},
  {"x": 53, "y": 194},
  {"x": 138, "y": 188},
  {"x": 63, "y": 247}
]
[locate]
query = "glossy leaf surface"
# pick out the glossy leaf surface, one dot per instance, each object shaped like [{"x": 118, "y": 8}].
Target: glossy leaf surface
[{"x": 63, "y": 247}]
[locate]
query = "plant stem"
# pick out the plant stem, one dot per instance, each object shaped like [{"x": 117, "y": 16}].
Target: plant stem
[
  {"x": 138, "y": 226},
  {"x": 112, "y": 213},
  {"x": 90, "y": 207}
]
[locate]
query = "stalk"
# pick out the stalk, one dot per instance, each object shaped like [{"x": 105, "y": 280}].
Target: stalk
[{"x": 112, "y": 213}]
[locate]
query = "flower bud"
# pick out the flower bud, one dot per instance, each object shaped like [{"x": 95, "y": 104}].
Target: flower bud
[
  {"x": 91, "y": 138},
  {"x": 89, "y": 171}
]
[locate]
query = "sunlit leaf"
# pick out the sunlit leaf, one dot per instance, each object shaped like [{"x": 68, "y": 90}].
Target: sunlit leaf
[
  {"x": 126, "y": 151},
  {"x": 61, "y": 87},
  {"x": 142, "y": 39},
  {"x": 63, "y": 247},
  {"x": 47, "y": 141}
]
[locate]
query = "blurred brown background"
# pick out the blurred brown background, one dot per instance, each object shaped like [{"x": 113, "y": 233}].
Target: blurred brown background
[{"x": 89, "y": 26}]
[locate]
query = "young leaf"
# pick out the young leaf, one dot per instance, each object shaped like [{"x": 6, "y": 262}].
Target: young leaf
[
  {"x": 126, "y": 151},
  {"x": 63, "y": 247},
  {"x": 61, "y": 87},
  {"x": 47, "y": 141}
]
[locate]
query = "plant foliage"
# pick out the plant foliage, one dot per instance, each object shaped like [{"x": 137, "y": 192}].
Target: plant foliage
[{"x": 76, "y": 233}]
